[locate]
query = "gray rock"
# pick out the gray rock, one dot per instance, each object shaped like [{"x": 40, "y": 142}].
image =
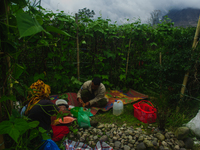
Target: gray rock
[
  {"x": 82, "y": 139},
  {"x": 111, "y": 135},
  {"x": 124, "y": 125},
  {"x": 127, "y": 132},
  {"x": 161, "y": 148},
  {"x": 110, "y": 140},
  {"x": 181, "y": 143},
  {"x": 90, "y": 143},
  {"x": 115, "y": 138},
  {"x": 181, "y": 133},
  {"x": 132, "y": 141},
  {"x": 95, "y": 137},
  {"x": 111, "y": 144},
  {"x": 141, "y": 138},
  {"x": 160, "y": 136},
  {"x": 177, "y": 147},
  {"x": 130, "y": 137},
  {"x": 137, "y": 135},
  {"x": 164, "y": 144},
  {"x": 117, "y": 144},
  {"x": 167, "y": 136},
  {"x": 126, "y": 147},
  {"x": 154, "y": 143},
  {"x": 189, "y": 143},
  {"x": 148, "y": 143},
  {"x": 108, "y": 133},
  {"x": 122, "y": 141},
  {"x": 94, "y": 130},
  {"x": 141, "y": 146},
  {"x": 71, "y": 135},
  {"x": 166, "y": 148},
  {"x": 100, "y": 133},
  {"x": 104, "y": 138},
  {"x": 130, "y": 145},
  {"x": 79, "y": 135},
  {"x": 91, "y": 137}
]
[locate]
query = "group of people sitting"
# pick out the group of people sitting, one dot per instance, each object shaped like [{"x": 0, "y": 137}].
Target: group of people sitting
[{"x": 41, "y": 108}]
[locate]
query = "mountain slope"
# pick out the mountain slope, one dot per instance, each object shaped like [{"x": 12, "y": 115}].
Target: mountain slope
[{"x": 185, "y": 17}]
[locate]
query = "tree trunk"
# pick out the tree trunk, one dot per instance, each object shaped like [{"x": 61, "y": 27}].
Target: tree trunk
[{"x": 77, "y": 42}]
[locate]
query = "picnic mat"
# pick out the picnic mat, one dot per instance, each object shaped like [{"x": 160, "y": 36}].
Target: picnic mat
[{"x": 129, "y": 97}]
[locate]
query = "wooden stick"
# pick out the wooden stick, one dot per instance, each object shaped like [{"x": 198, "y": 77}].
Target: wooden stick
[
  {"x": 128, "y": 56},
  {"x": 77, "y": 42},
  {"x": 193, "y": 48}
]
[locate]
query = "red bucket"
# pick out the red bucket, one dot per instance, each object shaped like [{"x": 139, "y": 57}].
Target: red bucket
[{"x": 145, "y": 112}]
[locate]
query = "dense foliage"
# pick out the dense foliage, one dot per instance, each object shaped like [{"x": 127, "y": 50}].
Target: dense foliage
[{"x": 41, "y": 44}]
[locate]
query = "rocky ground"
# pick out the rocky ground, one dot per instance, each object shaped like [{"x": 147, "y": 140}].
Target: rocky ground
[{"x": 130, "y": 138}]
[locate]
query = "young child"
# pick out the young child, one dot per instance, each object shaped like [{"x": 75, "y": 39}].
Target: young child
[{"x": 62, "y": 104}]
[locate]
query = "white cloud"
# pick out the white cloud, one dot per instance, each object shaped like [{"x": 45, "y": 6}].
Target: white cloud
[{"x": 117, "y": 10}]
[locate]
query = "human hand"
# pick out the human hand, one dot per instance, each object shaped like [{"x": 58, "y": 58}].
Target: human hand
[
  {"x": 80, "y": 100},
  {"x": 87, "y": 104}
]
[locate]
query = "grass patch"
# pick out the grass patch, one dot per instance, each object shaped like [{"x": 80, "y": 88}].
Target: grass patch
[{"x": 127, "y": 117}]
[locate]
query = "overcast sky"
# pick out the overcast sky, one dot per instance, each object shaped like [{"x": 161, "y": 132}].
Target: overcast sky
[{"x": 119, "y": 10}]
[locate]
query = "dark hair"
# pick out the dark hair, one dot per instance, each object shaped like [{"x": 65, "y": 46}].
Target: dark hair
[
  {"x": 67, "y": 106},
  {"x": 96, "y": 81}
]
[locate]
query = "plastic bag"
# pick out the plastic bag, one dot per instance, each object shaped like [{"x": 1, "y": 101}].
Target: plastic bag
[
  {"x": 194, "y": 124},
  {"x": 84, "y": 118},
  {"x": 74, "y": 111},
  {"x": 49, "y": 145}
]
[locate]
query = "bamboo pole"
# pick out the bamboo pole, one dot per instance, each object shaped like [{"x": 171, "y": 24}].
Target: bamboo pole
[
  {"x": 77, "y": 42},
  {"x": 193, "y": 48},
  {"x": 128, "y": 56},
  {"x": 9, "y": 80},
  {"x": 160, "y": 62}
]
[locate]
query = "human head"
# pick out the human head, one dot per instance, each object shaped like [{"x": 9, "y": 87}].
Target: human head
[
  {"x": 62, "y": 104},
  {"x": 95, "y": 83},
  {"x": 39, "y": 90}
]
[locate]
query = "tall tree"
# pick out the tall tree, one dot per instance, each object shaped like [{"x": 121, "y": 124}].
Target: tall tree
[
  {"x": 154, "y": 18},
  {"x": 85, "y": 13}
]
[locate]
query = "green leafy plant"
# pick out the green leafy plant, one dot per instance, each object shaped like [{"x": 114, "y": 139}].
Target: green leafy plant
[{"x": 74, "y": 128}]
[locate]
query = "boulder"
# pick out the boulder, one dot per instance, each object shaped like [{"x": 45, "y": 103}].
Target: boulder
[
  {"x": 181, "y": 132},
  {"x": 141, "y": 146}
]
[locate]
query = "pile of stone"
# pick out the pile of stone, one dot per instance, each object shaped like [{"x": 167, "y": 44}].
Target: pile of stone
[{"x": 128, "y": 138}]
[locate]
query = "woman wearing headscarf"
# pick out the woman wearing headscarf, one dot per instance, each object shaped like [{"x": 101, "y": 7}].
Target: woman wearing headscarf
[{"x": 40, "y": 108}]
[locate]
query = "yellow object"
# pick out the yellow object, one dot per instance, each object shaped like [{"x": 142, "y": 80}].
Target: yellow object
[
  {"x": 55, "y": 122},
  {"x": 40, "y": 90}
]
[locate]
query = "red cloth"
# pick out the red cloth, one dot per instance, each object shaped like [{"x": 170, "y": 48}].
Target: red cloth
[{"x": 59, "y": 132}]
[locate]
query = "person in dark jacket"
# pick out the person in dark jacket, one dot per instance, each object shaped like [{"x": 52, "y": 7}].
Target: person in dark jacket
[{"x": 40, "y": 108}]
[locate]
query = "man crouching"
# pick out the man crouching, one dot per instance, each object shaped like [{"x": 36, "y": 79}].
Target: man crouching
[{"x": 92, "y": 93}]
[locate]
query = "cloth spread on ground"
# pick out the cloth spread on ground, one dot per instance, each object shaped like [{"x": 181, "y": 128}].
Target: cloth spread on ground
[
  {"x": 129, "y": 97},
  {"x": 81, "y": 146}
]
